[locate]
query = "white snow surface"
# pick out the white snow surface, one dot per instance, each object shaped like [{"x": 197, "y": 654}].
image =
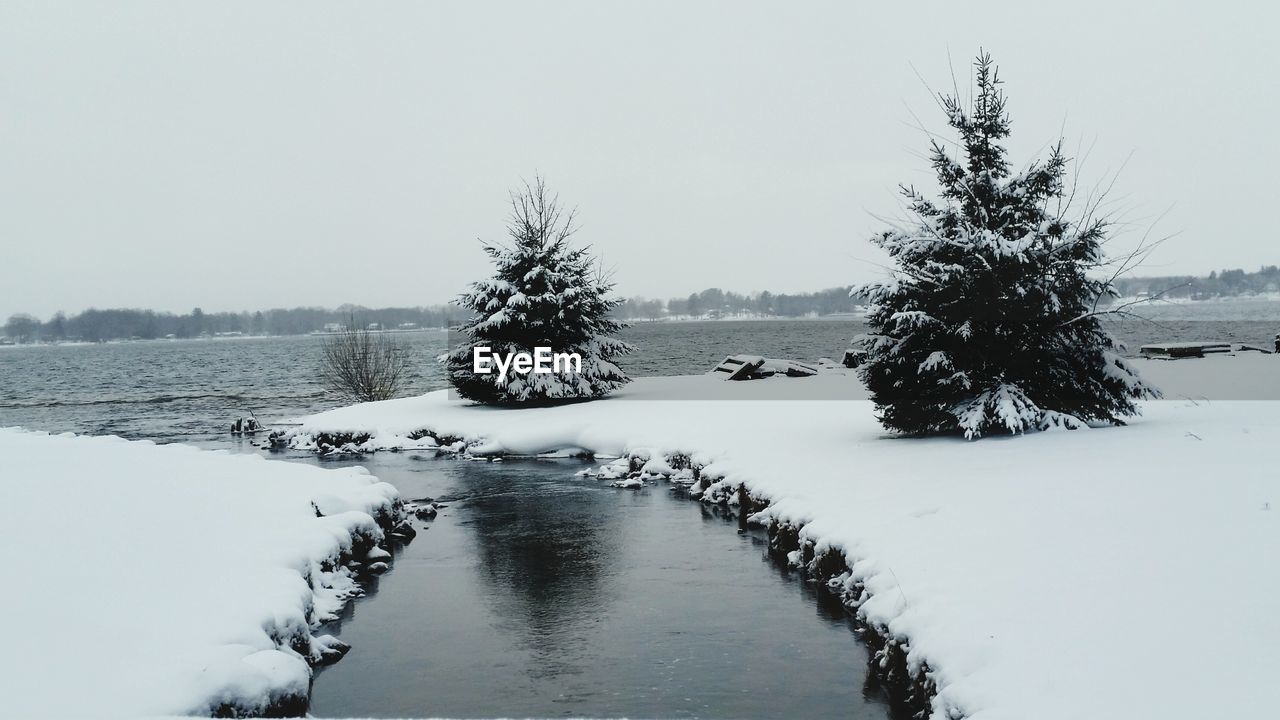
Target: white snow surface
[
  {"x": 150, "y": 579},
  {"x": 1116, "y": 572}
]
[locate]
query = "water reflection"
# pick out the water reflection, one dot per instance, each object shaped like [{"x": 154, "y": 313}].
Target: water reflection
[
  {"x": 537, "y": 593},
  {"x": 547, "y": 551}
]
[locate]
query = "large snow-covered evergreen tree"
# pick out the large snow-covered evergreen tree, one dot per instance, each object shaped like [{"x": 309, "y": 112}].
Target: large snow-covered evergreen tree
[
  {"x": 989, "y": 322},
  {"x": 545, "y": 293}
]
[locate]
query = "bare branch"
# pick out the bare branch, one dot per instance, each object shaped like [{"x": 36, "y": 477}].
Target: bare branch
[{"x": 363, "y": 365}]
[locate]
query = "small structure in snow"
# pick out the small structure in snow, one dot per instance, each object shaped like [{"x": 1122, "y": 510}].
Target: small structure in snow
[
  {"x": 739, "y": 367},
  {"x": 754, "y": 367},
  {"x": 854, "y": 356}
]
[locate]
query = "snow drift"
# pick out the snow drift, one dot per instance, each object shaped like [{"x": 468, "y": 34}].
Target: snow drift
[{"x": 161, "y": 579}]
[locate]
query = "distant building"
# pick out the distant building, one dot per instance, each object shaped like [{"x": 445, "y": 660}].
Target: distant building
[{"x": 334, "y": 327}]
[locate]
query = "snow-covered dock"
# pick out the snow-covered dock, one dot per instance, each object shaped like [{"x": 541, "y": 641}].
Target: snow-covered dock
[
  {"x": 1101, "y": 573},
  {"x": 150, "y": 580}
]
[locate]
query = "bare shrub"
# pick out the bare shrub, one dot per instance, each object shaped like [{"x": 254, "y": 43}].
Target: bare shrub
[{"x": 363, "y": 365}]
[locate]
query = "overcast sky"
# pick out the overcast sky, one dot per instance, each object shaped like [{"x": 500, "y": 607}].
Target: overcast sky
[{"x": 249, "y": 155}]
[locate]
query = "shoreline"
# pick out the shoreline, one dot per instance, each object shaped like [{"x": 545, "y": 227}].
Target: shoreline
[{"x": 908, "y": 688}]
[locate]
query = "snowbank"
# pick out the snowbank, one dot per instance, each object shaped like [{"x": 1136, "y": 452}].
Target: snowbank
[
  {"x": 1096, "y": 573},
  {"x": 161, "y": 579}
]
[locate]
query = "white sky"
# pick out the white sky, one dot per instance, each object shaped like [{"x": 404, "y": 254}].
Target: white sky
[{"x": 245, "y": 155}]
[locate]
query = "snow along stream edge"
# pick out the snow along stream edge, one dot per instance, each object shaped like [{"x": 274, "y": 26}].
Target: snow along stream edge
[{"x": 905, "y": 679}]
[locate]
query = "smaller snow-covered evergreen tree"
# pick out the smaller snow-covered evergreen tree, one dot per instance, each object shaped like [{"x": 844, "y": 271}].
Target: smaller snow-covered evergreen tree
[
  {"x": 989, "y": 322},
  {"x": 545, "y": 293}
]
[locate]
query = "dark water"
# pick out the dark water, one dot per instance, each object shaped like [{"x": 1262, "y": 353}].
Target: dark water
[
  {"x": 180, "y": 390},
  {"x": 537, "y": 593}
]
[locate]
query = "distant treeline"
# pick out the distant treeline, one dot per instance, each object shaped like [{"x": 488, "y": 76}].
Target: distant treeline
[
  {"x": 95, "y": 325},
  {"x": 121, "y": 324},
  {"x": 715, "y": 302},
  {"x": 1226, "y": 283}
]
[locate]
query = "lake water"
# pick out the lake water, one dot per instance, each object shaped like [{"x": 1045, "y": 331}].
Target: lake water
[{"x": 191, "y": 390}]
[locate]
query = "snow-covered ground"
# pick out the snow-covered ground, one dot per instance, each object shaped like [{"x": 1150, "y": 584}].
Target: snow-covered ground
[
  {"x": 1101, "y": 573},
  {"x": 160, "y": 579}
]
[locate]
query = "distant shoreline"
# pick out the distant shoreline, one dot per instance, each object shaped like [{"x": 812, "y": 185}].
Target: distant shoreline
[{"x": 1159, "y": 307}]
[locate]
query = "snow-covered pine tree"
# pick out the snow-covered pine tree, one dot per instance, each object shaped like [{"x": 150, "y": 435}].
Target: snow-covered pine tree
[
  {"x": 989, "y": 323},
  {"x": 545, "y": 293}
]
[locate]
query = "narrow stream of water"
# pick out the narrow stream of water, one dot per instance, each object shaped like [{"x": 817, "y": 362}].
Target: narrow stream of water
[{"x": 538, "y": 593}]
